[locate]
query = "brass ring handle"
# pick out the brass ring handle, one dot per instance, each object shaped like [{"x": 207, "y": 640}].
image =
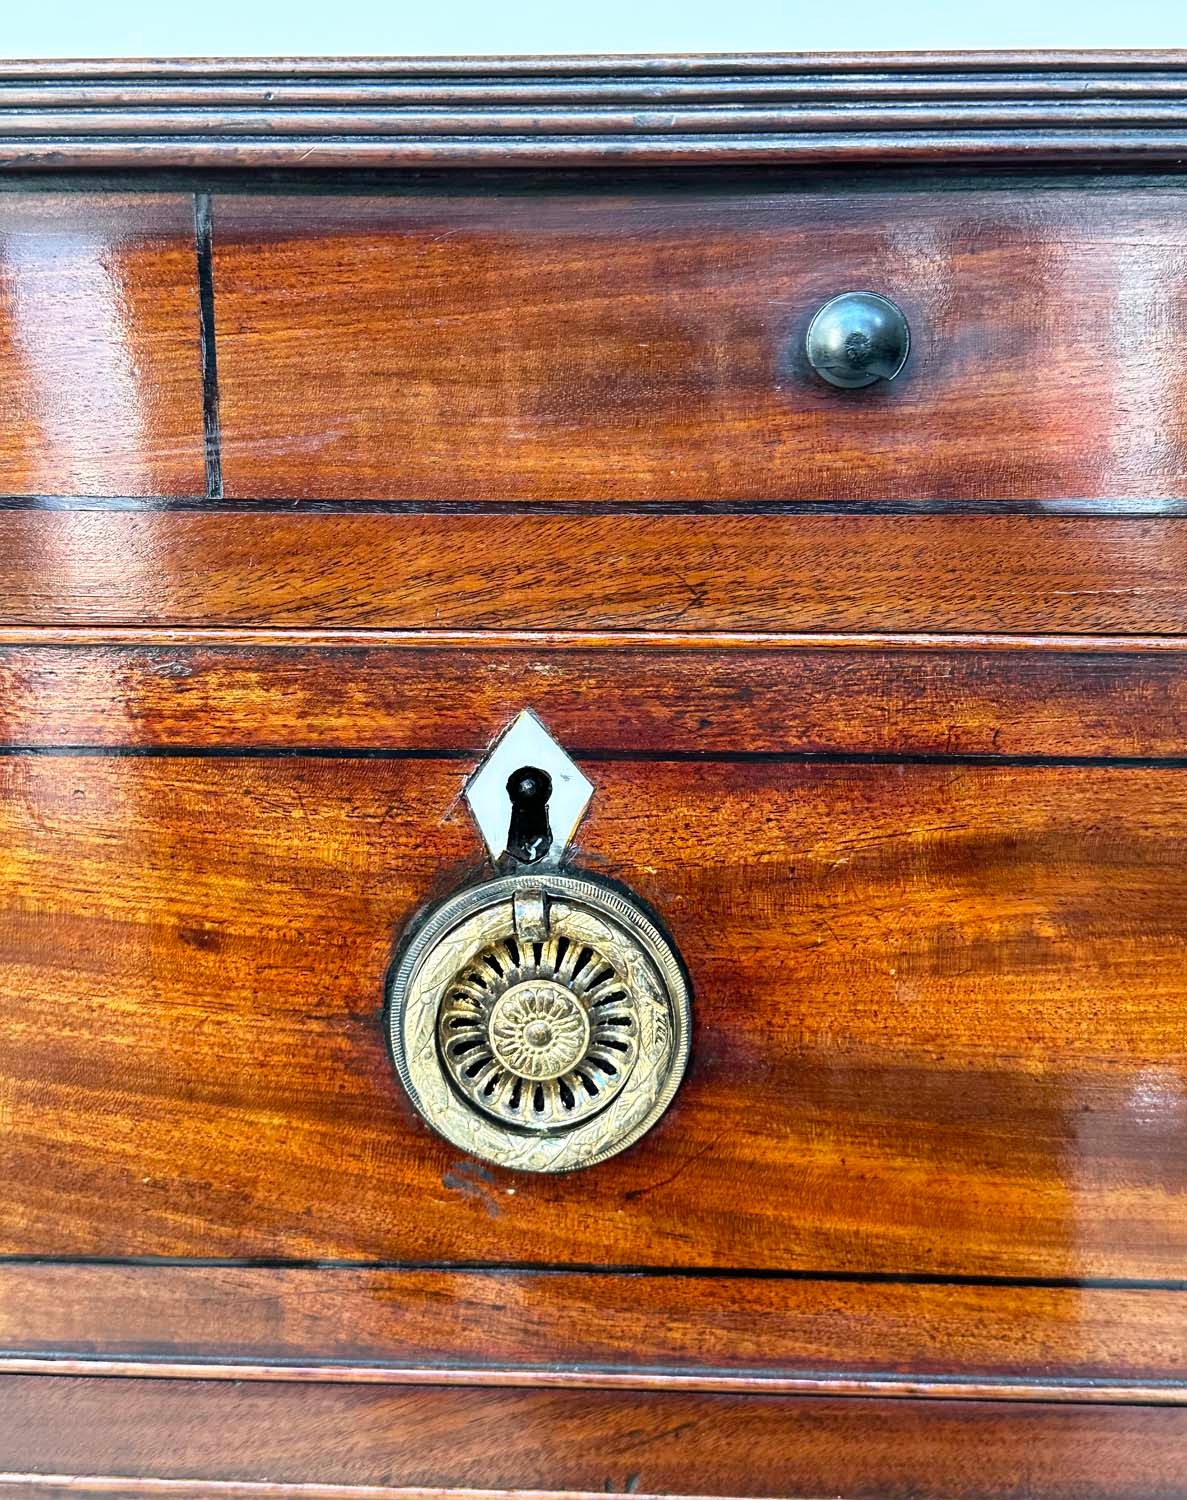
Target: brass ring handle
[{"x": 539, "y": 1019}]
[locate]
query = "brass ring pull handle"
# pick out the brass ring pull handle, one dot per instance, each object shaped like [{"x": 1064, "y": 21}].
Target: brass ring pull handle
[{"x": 539, "y": 1019}]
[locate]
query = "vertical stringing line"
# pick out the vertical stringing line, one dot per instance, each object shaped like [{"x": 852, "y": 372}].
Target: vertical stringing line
[{"x": 203, "y": 241}]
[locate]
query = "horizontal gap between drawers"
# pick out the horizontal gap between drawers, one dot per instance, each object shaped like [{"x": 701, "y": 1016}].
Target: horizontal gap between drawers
[
  {"x": 1070, "y": 508},
  {"x": 528, "y": 1268},
  {"x": 856, "y": 1383},
  {"x": 659, "y": 757},
  {"x": 705, "y": 179}
]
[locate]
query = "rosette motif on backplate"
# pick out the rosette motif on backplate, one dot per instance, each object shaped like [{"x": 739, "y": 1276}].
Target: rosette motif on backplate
[{"x": 540, "y": 1019}]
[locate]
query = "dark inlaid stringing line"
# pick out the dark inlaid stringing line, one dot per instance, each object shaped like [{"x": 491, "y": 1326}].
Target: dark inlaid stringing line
[
  {"x": 204, "y": 248},
  {"x": 582, "y": 1268},
  {"x": 606, "y": 754},
  {"x": 216, "y": 503}
]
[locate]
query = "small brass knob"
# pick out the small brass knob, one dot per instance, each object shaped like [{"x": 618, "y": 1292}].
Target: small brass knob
[{"x": 858, "y": 338}]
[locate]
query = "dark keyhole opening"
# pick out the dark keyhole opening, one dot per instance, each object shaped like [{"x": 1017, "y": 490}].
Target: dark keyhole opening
[{"x": 529, "y": 837}]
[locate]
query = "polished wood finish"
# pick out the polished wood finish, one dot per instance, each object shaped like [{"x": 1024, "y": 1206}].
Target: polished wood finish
[
  {"x": 707, "y": 697},
  {"x": 309, "y": 484},
  {"x": 686, "y": 574},
  {"x": 99, "y": 349},
  {"x": 589, "y": 1441},
  {"x": 593, "y": 1330},
  {"x": 629, "y": 111},
  {"x": 646, "y": 343},
  {"x": 937, "y": 1017}
]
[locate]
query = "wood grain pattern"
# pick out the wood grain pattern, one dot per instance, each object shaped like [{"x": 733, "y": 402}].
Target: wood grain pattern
[
  {"x": 933, "y": 1127},
  {"x": 644, "y": 342},
  {"x": 687, "y": 574},
  {"x": 808, "y": 701},
  {"x": 938, "y": 1018},
  {"x": 586, "y": 1441},
  {"x": 588, "y": 1329},
  {"x": 99, "y": 358}
]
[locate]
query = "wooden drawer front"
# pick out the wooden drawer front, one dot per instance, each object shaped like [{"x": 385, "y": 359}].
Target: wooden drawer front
[
  {"x": 684, "y": 577},
  {"x": 938, "y": 1006},
  {"x": 99, "y": 345},
  {"x": 602, "y": 1329},
  {"x": 642, "y": 342},
  {"x": 194, "y": 1439}
]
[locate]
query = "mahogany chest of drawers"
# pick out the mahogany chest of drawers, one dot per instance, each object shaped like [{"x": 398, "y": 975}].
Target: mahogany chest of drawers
[{"x": 593, "y": 795}]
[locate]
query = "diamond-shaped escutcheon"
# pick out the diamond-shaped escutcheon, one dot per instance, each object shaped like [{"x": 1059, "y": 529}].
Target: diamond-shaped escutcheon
[{"x": 523, "y": 747}]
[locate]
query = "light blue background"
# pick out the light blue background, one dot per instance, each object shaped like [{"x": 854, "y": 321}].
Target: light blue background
[{"x": 252, "y": 28}]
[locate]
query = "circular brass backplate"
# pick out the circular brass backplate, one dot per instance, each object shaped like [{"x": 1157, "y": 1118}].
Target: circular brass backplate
[{"x": 540, "y": 1021}]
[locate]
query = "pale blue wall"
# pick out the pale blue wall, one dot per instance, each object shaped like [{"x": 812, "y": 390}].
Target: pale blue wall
[{"x": 141, "y": 28}]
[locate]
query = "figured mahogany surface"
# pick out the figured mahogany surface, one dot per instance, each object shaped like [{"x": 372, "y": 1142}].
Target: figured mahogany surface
[
  {"x": 639, "y": 341},
  {"x": 409, "y": 1441},
  {"x": 307, "y": 487},
  {"x": 938, "y": 1019},
  {"x": 687, "y": 574},
  {"x": 677, "y": 698},
  {"x": 99, "y": 357},
  {"x": 591, "y": 1329}
]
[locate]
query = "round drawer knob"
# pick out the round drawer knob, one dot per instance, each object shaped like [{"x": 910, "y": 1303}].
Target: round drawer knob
[{"x": 858, "y": 338}]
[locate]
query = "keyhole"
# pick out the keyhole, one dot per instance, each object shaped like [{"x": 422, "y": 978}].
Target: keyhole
[{"x": 529, "y": 837}]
